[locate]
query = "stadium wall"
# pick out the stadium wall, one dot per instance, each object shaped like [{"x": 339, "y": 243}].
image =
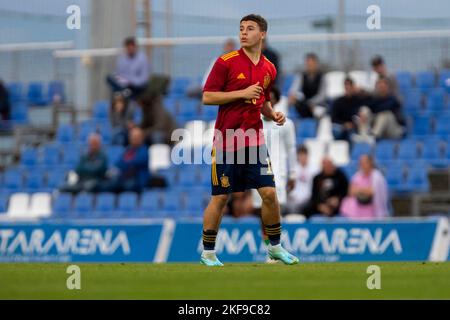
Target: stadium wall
[{"x": 167, "y": 240}]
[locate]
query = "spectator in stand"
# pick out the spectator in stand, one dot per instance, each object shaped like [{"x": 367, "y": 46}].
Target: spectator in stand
[
  {"x": 273, "y": 57},
  {"x": 90, "y": 172},
  {"x": 330, "y": 186},
  {"x": 300, "y": 196},
  {"x": 368, "y": 193},
  {"x": 5, "y": 107},
  {"x": 382, "y": 118},
  {"x": 344, "y": 110},
  {"x": 307, "y": 92},
  {"x": 131, "y": 172},
  {"x": 132, "y": 71},
  {"x": 157, "y": 123},
  {"x": 121, "y": 117},
  {"x": 381, "y": 71}
]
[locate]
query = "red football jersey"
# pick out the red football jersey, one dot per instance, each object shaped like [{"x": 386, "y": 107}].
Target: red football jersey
[{"x": 235, "y": 71}]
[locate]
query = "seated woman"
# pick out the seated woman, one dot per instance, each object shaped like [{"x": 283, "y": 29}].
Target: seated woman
[{"x": 368, "y": 194}]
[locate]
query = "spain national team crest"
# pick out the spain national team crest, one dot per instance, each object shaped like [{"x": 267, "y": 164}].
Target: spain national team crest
[
  {"x": 266, "y": 81},
  {"x": 224, "y": 181}
]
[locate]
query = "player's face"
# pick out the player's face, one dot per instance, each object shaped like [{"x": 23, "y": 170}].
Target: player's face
[{"x": 250, "y": 35}]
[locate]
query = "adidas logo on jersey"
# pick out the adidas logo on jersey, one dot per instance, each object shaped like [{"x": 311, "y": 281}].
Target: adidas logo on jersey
[{"x": 241, "y": 76}]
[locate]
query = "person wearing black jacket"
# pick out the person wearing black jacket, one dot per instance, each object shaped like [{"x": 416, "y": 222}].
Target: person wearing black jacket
[
  {"x": 384, "y": 113},
  {"x": 344, "y": 110},
  {"x": 5, "y": 107},
  {"x": 307, "y": 92},
  {"x": 329, "y": 187}
]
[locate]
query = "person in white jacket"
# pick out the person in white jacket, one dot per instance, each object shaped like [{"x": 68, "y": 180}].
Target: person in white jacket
[{"x": 281, "y": 145}]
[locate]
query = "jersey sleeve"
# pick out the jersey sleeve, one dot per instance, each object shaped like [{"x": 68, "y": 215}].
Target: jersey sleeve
[{"x": 217, "y": 77}]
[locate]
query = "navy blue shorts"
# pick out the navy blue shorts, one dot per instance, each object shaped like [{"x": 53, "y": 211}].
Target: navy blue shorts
[{"x": 238, "y": 171}]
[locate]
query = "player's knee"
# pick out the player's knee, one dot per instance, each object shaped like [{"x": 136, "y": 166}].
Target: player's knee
[
  {"x": 220, "y": 200},
  {"x": 268, "y": 195}
]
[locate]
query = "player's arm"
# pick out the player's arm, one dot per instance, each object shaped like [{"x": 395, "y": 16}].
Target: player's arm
[
  {"x": 221, "y": 97},
  {"x": 276, "y": 116}
]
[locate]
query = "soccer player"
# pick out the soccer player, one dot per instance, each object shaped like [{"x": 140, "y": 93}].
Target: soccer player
[{"x": 240, "y": 83}]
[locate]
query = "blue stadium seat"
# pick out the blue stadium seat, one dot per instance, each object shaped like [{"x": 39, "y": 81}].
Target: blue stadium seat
[
  {"x": 105, "y": 132},
  {"x": 395, "y": 178},
  {"x": 114, "y": 153},
  {"x": 171, "y": 105},
  {"x": 407, "y": 150},
  {"x": 435, "y": 101},
  {"x": 189, "y": 108},
  {"x": 56, "y": 89},
  {"x": 385, "y": 150},
  {"x": 194, "y": 206},
  {"x": 62, "y": 205},
  {"x": 65, "y": 133},
  {"x": 35, "y": 94},
  {"x": 209, "y": 113},
  {"x": 444, "y": 79},
  {"x": 35, "y": 181},
  {"x": 3, "y": 203},
  {"x": 205, "y": 176},
  {"x": 101, "y": 110},
  {"x": 55, "y": 178},
  {"x": 150, "y": 203},
  {"x": 421, "y": 126},
  {"x": 433, "y": 154},
  {"x": 187, "y": 177},
  {"x": 84, "y": 205},
  {"x": 29, "y": 157},
  {"x": 425, "y": 80},
  {"x": 171, "y": 175},
  {"x": 50, "y": 155},
  {"x": 413, "y": 100},
  {"x": 442, "y": 127},
  {"x": 359, "y": 149},
  {"x": 13, "y": 180},
  {"x": 171, "y": 203},
  {"x": 350, "y": 170},
  {"x": 71, "y": 156},
  {"x": 105, "y": 204},
  {"x": 417, "y": 179},
  {"x": 306, "y": 128},
  {"x": 19, "y": 113},
  {"x": 85, "y": 129},
  {"x": 128, "y": 204},
  {"x": 178, "y": 86},
  {"x": 287, "y": 83},
  {"x": 15, "y": 91}
]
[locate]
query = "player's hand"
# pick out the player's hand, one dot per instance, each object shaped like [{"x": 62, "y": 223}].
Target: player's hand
[
  {"x": 279, "y": 117},
  {"x": 252, "y": 92}
]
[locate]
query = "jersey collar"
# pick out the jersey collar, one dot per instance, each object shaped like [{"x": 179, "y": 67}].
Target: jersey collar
[{"x": 260, "y": 62}]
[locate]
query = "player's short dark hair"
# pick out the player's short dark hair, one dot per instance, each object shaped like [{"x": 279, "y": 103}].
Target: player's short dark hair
[
  {"x": 262, "y": 23},
  {"x": 276, "y": 92},
  {"x": 302, "y": 149},
  {"x": 311, "y": 55},
  {"x": 377, "y": 60},
  {"x": 130, "y": 41},
  {"x": 349, "y": 80}
]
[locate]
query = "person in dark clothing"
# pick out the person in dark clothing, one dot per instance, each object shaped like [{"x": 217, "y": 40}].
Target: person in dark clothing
[
  {"x": 91, "y": 169},
  {"x": 122, "y": 119},
  {"x": 273, "y": 57},
  {"x": 131, "y": 172},
  {"x": 344, "y": 110},
  {"x": 330, "y": 186},
  {"x": 307, "y": 92},
  {"x": 5, "y": 107},
  {"x": 382, "y": 118}
]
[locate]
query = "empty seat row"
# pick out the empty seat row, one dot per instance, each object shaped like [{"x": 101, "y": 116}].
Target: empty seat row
[{"x": 37, "y": 92}]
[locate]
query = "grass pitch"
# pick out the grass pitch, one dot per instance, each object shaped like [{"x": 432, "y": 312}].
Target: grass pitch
[{"x": 413, "y": 280}]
